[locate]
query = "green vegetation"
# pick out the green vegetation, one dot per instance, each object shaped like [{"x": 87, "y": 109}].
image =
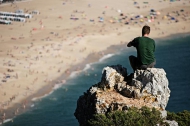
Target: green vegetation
[
  {"x": 133, "y": 117},
  {"x": 139, "y": 117},
  {"x": 183, "y": 118}
]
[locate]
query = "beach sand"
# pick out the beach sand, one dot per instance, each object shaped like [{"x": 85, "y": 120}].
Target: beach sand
[{"x": 43, "y": 51}]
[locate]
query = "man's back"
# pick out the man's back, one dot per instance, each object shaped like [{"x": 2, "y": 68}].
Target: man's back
[{"x": 145, "y": 50}]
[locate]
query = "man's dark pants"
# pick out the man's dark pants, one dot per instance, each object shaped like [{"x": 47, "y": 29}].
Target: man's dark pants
[{"x": 135, "y": 64}]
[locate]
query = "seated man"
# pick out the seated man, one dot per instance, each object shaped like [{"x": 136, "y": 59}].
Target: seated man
[{"x": 145, "y": 47}]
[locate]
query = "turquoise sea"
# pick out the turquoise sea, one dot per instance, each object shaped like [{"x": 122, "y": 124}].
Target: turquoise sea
[{"x": 57, "y": 109}]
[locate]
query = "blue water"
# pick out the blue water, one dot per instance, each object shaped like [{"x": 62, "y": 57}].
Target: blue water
[{"x": 58, "y": 108}]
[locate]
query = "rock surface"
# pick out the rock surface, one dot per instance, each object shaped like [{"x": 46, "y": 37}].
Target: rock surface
[{"x": 119, "y": 91}]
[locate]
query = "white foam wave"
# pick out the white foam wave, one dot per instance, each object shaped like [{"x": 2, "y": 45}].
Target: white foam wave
[
  {"x": 53, "y": 99},
  {"x": 73, "y": 74},
  {"x": 32, "y": 105},
  {"x": 87, "y": 67},
  {"x": 57, "y": 86},
  {"x": 106, "y": 57},
  {"x": 37, "y": 98},
  {"x": 7, "y": 120}
]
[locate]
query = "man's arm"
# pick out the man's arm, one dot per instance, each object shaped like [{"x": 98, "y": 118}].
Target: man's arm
[
  {"x": 129, "y": 44},
  {"x": 133, "y": 43}
]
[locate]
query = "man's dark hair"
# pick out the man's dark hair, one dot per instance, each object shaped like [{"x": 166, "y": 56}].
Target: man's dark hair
[{"x": 145, "y": 30}]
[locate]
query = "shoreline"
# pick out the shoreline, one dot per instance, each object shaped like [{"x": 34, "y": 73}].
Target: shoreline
[
  {"x": 88, "y": 51},
  {"x": 91, "y": 58},
  {"x": 49, "y": 88}
]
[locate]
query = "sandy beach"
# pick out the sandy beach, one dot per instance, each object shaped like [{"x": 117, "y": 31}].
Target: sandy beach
[{"x": 35, "y": 54}]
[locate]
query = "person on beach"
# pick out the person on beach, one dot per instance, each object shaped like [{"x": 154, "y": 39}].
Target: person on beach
[{"x": 145, "y": 47}]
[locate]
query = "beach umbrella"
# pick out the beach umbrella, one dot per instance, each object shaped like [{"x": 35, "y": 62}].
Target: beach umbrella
[
  {"x": 152, "y": 10},
  {"x": 172, "y": 18},
  {"x": 101, "y": 19},
  {"x": 126, "y": 23},
  {"x": 141, "y": 20},
  {"x": 137, "y": 16}
]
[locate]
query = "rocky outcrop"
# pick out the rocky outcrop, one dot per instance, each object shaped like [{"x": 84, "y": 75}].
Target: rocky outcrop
[{"x": 120, "y": 91}]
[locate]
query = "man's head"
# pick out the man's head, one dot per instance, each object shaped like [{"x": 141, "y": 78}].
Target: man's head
[{"x": 145, "y": 30}]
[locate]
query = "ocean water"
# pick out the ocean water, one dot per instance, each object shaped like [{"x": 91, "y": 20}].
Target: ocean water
[{"x": 57, "y": 109}]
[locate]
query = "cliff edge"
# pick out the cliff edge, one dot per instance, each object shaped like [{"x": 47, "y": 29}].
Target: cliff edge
[{"x": 119, "y": 91}]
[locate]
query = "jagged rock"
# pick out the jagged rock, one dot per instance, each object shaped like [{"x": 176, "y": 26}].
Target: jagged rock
[
  {"x": 119, "y": 91},
  {"x": 171, "y": 123},
  {"x": 153, "y": 85},
  {"x": 112, "y": 76},
  {"x": 163, "y": 113}
]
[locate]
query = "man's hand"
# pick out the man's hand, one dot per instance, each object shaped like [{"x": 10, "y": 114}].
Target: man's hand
[{"x": 129, "y": 44}]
